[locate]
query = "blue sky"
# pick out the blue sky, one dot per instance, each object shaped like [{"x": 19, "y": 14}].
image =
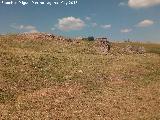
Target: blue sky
[{"x": 116, "y": 19}]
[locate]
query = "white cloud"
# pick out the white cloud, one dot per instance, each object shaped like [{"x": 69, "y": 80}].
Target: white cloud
[
  {"x": 26, "y": 28},
  {"x": 145, "y": 23},
  {"x": 88, "y": 18},
  {"x": 70, "y": 23},
  {"x": 106, "y": 26},
  {"x": 143, "y": 3},
  {"x": 53, "y": 29},
  {"x": 33, "y": 31},
  {"x": 126, "y": 30},
  {"x": 94, "y": 24},
  {"x": 122, "y": 4},
  {"x": 29, "y": 27}
]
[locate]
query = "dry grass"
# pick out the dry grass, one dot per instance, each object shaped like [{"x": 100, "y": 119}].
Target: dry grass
[{"x": 49, "y": 79}]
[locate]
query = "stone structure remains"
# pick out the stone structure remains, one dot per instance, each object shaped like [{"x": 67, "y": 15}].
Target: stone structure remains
[
  {"x": 104, "y": 44},
  {"x": 44, "y": 36},
  {"x": 37, "y": 36}
]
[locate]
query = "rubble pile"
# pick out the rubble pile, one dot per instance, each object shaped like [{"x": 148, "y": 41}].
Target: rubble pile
[
  {"x": 134, "y": 49},
  {"x": 103, "y": 45},
  {"x": 37, "y": 36},
  {"x": 43, "y": 36},
  {"x": 100, "y": 45}
]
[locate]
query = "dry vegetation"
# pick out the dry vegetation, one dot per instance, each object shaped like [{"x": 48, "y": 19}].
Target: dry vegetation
[{"x": 50, "y": 79}]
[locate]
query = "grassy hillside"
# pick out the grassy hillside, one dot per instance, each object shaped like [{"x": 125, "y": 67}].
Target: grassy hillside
[{"x": 50, "y": 79}]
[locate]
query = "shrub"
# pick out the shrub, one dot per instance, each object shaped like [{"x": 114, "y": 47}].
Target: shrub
[{"x": 91, "y": 38}]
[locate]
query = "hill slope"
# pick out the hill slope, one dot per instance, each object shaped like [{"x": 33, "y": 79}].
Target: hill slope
[{"x": 51, "y": 79}]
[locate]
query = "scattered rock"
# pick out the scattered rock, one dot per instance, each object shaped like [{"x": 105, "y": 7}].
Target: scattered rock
[
  {"x": 134, "y": 49},
  {"x": 37, "y": 36},
  {"x": 43, "y": 36}
]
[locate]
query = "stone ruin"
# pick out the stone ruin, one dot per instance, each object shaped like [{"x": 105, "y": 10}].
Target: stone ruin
[{"x": 103, "y": 45}]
